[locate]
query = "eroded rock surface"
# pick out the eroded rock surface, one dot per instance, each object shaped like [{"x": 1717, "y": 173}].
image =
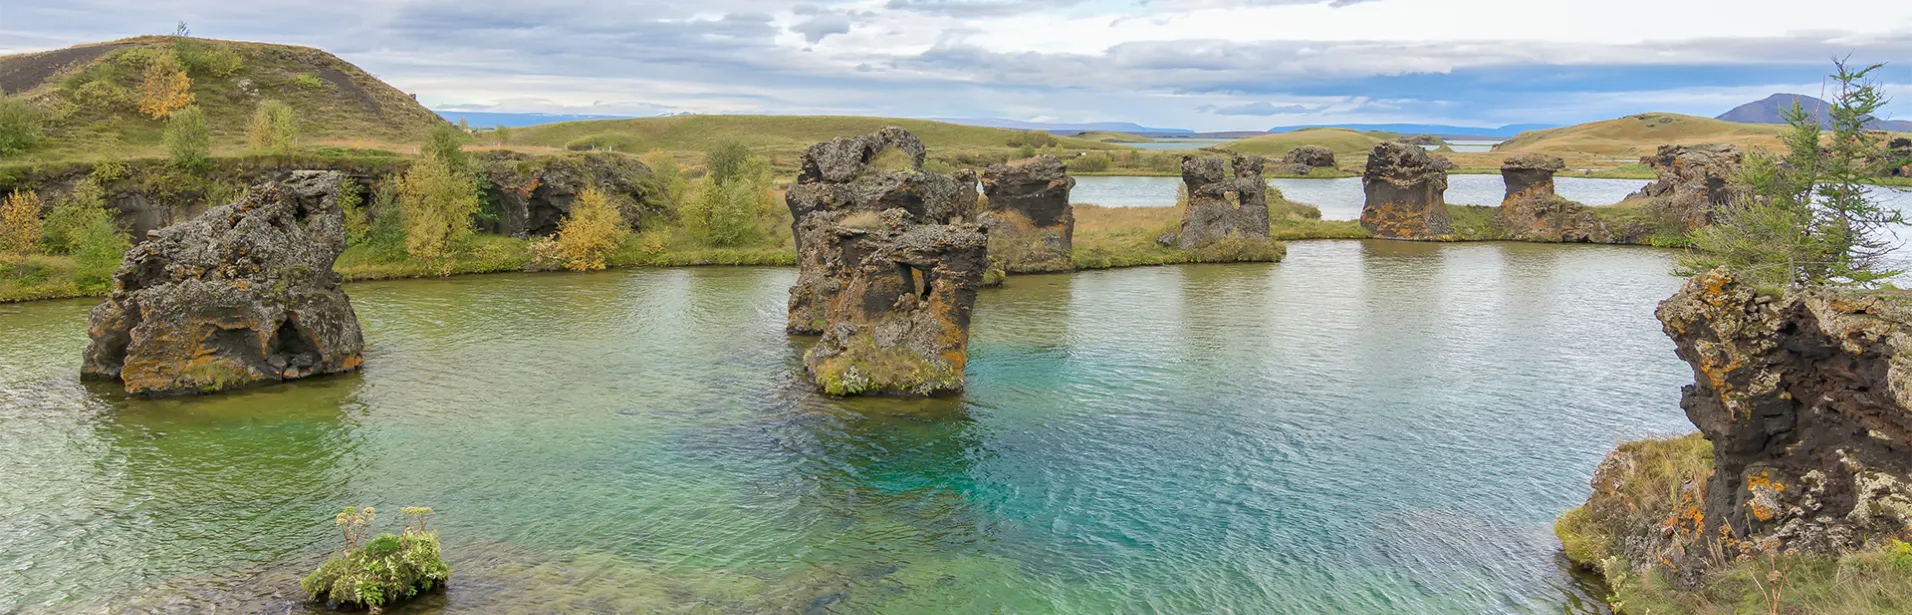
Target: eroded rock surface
[
  {"x": 1694, "y": 181},
  {"x": 1406, "y": 193},
  {"x": 837, "y": 180},
  {"x": 532, "y": 196},
  {"x": 241, "y": 294},
  {"x": 1807, "y": 403},
  {"x": 899, "y": 322},
  {"x": 1223, "y": 205},
  {"x": 1305, "y": 159},
  {"x": 888, "y": 267},
  {"x": 1898, "y": 155},
  {"x": 1031, "y": 223},
  {"x": 1532, "y": 211}
]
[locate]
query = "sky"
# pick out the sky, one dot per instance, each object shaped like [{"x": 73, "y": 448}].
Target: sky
[{"x": 1195, "y": 64}]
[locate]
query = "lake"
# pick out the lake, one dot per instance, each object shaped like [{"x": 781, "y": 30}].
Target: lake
[
  {"x": 1366, "y": 427},
  {"x": 1341, "y": 198}
]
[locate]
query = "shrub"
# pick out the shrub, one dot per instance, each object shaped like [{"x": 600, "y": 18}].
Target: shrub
[
  {"x": 386, "y": 231},
  {"x": 439, "y": 204},
  {"x": 188, "y": 140},
  {"x": 138, "y": 58},
  {"x": 667, "y": 184},
  {"x": 730, "y": 212},
  {"x": 98, "y": 250},
  {"x": 1090, "y": 164},
  {"x": 446, "y": 144},
  {"x": 166, "y": 89},
  {"x": 383, "y": 570},
  {"x": 274, "y": 128},
  {"x": 590, "y": 143},
  {"x": 310, "y": 82},
  {"x": 592, "y": 232},
  {"x": 104, "y": 96},
  {"x": 67, "y": 224},
  {"x": 352, "y": 207},
  {"x": 20, "y": 224},
  {"x": 20, "y": 123},
  {"x": 725, "y": 162},
  {"x": 215, "y": 60},
  {"x": 1026, "y": 151},
  {"x": 501, "y": 134}
]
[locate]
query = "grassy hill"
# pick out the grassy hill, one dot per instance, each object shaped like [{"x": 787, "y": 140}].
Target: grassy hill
[
  {"x": 1345, "y": 143},
  {"x": 90, "y": 95},
  {"x": 1638, "y": 135},
  {"x": 1109, "y": 136},
  {"x": 783, "y": 137}
]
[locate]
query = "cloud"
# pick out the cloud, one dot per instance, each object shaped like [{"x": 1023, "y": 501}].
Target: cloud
[
  {"x": 1258, "y": 108},
  {"x": 815, "y": 28}
]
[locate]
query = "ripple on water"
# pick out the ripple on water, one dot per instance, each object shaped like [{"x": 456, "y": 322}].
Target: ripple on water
[{"x": 1366, "y": 427}]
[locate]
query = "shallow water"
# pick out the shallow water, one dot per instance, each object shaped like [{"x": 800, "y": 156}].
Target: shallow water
[
  {"x": 1341, "y": 198},
  {"x": 1367, "y": 427}
]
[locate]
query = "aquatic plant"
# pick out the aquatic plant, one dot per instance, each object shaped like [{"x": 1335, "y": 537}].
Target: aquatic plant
[{"x": 375, "y": 572}]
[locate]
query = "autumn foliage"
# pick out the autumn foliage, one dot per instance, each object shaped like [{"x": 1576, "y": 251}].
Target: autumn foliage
[
  {"x": 20, "y": 224},
  {"x": 592, "y": 232},
  {"x": 166, "y": 88}
]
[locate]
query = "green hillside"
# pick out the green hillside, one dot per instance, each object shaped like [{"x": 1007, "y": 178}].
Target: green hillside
[
  {"x": 1344, "y": 142},
  {"x": 778, "y": 136},
  {"x": 89, "y": 94}
]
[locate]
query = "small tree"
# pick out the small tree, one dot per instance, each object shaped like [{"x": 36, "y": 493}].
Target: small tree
[
  {"x": 20, "y": 224},
  {"x": 188, "y": 140},
  {"x": 502, "y": 134},
  {"x": 166, "y": 89},
  {"x": 20, "y": 123},
  {"x": 446, "y": 144},
  {"x": 439, "y": 204},
  {"x": 67, "y": 223},
  {"x": 1807, "y": 219},
  {"x": 98, "y": 250},
  {"x": 592, "y": 232},
  {"x": 274, "y": 128},
  {"x": 724, "y": 162}
]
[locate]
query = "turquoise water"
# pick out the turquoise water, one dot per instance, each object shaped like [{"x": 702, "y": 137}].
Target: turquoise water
[{"x": 1368, "y": 427}]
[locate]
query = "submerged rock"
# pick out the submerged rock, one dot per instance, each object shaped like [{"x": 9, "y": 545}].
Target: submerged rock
[
  {"x": 899, "y": 323},
  {"x": 1032, "y": 225},
  {"x": 1807, "y": 400},
  {"x": 1532, "y": 211},
  {"x": 1406, "y": 193},
  {"x": 239, "y": 295},
  {"x": 888, "y": 269},
  {"x": 838, "y": 180},
  {"x": 1305, "y": 159},
  {"x": 1694, "y": 182},
  {"x": 1221, "y": 207}
]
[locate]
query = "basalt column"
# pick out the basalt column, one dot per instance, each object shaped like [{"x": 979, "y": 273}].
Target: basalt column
[
  {"x": 239, "y": 295},
  {"x": 888, "y": 269},
  {"x": 1406, "y": 191},
  {"x": 1222, "y": 207},
  {"x": 1032, "y": 225},
  {"x": 1533, "y": 212}
]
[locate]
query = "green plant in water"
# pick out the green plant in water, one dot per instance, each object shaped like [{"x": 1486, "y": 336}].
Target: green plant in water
[{"x": 381, "y": 570}]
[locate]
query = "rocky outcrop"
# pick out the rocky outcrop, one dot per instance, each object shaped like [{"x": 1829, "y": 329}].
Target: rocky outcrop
[
  {"x": 1031, "y": 224},
  {"x": 1305, "y": 159},
  {"x": 1532, "y": 211},
  {"x": 1423, "y": 141},
  {"x": 1807, "y": 400},
  {"x": 1693, "y": 181},
  {"x": 1406, "y": 191},
  {"x": 1898, "y": 158},
  {"x": 899, "y": 322},
  {"x": 240, "y": 295},
  {"x": 888, "y": 269},
  {"x": 1223, "y": 205},
  {"x": 531, "y": 196},
  {"x": 837, "y": 181}
]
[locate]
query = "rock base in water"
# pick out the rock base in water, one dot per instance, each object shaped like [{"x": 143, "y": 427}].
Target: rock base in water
[
  {"x": 240, "y": 295},
  {"x": 1406, "y": 193},
  {"x": 1223, "y": 208},
  {"x": 1031, "y": 223},
  {"x": 899, "y": 323}
]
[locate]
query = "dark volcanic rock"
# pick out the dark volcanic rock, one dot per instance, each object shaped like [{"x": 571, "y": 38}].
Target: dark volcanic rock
[
  {"x": 1031, "y": 223},
  {"x": 1532, "y": 211},
  {"x": 836, "y": 181},
  {"x": 1898, "y": 156},
  {"x": 1694, "y": 181},
  {"x": 899, "y": 323},
  {"x": 1406, "y": 191},
  {"x": 533, "y": 196},
  {"x": 1305, "y": 159},
  {"x": 1806, "y": 400},
  {"x": 1420, "y": 140},
  {"x": 241, "y": 294},
  {"x": 1222, "y": 207}
]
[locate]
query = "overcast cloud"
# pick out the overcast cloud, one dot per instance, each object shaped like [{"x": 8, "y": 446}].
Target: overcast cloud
[{"x": 1201, "y": 64}]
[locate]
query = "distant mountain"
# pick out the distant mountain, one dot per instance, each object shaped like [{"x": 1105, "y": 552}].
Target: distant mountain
[
  {"x": 514, "y": 120},
  {"x": 1430, "y": 129},
  {"x": 1059, "y": 127},
  {"x": 1767, "y": 111}
]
